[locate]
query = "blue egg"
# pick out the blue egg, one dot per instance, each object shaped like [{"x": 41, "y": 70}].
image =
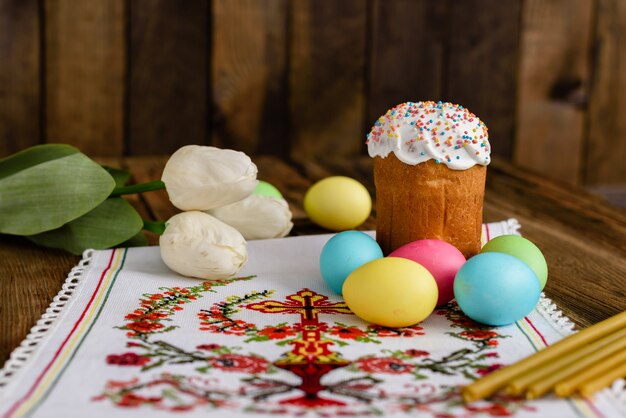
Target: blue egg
[
  {"x": 344, "y": 253},
  {"x": 496, "y": 289}
]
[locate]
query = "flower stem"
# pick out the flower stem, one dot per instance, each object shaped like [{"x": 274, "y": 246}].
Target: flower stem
[
  {"x": 158, "y": 227},
  {"x": 138, "y": 188}
]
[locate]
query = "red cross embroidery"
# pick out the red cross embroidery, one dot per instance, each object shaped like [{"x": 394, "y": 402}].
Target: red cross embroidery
[{"x": 311, "y": 356}]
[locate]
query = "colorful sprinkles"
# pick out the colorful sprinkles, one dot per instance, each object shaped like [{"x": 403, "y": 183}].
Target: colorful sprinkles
[{"x": 419, "y": 131}]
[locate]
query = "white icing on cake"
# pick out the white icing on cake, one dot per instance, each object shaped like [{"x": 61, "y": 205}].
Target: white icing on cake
[{"x": 420, "y": 131}]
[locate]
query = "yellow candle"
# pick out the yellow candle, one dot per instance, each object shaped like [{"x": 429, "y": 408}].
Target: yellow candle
[
  {"x": 542, "y": 386},
  {"x": 603, "y": 381},
  {"x": 496, "y": 380},
  {"x": 519, "y": 384},
  {"x": 568, "y": 386}
]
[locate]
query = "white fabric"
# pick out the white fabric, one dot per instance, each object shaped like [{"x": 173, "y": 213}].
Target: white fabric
[{"x": 246, "y": 363}]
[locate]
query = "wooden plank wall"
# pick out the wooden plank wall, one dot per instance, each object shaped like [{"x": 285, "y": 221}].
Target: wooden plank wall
[
  {"x": 305, "y": 79},
  {"x": 84, "y": 74},
  {"x": 20, "y": 69},
  {"x": 248, "y": 76},
  {"x": 167, "y": 85},
  {"x": 553, "y": 86}
]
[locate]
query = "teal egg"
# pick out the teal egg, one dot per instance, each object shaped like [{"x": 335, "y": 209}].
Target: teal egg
[
  {"x": 344, "y": 253},
  {"x": 264, "y": 188},
  {"x": 496, "y": 288},
  {"x": 523, "y": 249}
]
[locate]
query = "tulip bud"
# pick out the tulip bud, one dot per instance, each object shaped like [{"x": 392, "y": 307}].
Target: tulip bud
[
  {"x": 201, "y": 178},
  {"x": 196, "y": 244},
  {"x": 257, "y": 217}
]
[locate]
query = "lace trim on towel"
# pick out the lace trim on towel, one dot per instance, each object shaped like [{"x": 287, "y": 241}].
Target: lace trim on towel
[
  {"x": 618, "y": 392},
  {"x": 24, "y": 352},
  {"x": 550, "y": 311},
  {"x": 512, "y": 226},
  {"x": 565, "y": 326}
]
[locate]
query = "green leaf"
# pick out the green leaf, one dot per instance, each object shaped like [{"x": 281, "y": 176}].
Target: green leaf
[
  {"x": 109, "y": 224},
  {"x": 139, "y": 188},
  {"x": 153, "y": 365},
  {"x": 120, "y": 176},
  {"x": 45, "y": 187},
  {"x": 157, "y": 227},
  {"x": 33, "y": 156},
  {"x": 137, "y": 240},
  {"x": 204, "y": 369}
]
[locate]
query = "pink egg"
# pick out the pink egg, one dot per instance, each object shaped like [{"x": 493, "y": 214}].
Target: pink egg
[{"x": 443, "y": 261}]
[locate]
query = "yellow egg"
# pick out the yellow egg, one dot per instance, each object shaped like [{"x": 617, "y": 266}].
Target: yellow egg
[
  {"x": 338, "y": 203},
  {"x": 392, "y": 292}
]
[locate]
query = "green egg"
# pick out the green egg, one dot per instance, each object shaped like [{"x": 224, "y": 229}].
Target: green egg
[
  {"x": 266, "y": 189},
  {"x": 523, "y": 249}
]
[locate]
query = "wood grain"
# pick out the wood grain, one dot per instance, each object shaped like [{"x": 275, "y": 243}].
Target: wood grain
[
  {"x": 168, "y": 58},
  {"x": 306, "y": 79},
  {"x": 327, "y": 77},
  {"x": 554, "y": 69},
  {"x": 606, "y": 151},
  {"x": 249, "y": 76},
  {"x": 150, "y": 168},
  {"x": 19, "y": 75},
  {"x": 481, "y": 69},
  {"x": 582, "y": 237},
  {"x": 292, "y": 185},
  {"x": 29, "y": 278},
  {"x": 85, "y": 67},
  {"x": 134, "y": 199},
  {"x": 407, "y": 54}
]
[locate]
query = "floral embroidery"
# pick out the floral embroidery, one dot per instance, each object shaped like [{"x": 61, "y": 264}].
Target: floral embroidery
[
  {"x": 239, "y": 363},
  {"x": 127, "y": 359},
  {"x": 321, "y": 327},
  {"x": 384, "y": 365},
  {"x": 218, "y": 317},
  {"x": 381, "y": 331},
  {"x": 158, "y": 307},
  {"x": 346, "y": 332},
  {"x": 311, "y": 349},
  {"x": 446, "y": 402},
  {"x": 486, "y": 370},
  {"x": 416, "y": 353},
  {"x": 174, "y": 393},
  {"x": 482, "y": 336},
  {"x": 478, "y": 334},
  {"x": 278, "y": 332},
  {"x": 209, "y": 347}
]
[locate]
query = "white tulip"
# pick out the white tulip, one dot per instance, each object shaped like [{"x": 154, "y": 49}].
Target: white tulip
[
  {"x": 200, "y": 178},
  {"x": 257, "y": 217},
  {"x": 196, "y": 244}
]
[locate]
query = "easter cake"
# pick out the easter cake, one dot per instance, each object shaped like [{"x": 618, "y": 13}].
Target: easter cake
[{"x": 429, "y": 170}]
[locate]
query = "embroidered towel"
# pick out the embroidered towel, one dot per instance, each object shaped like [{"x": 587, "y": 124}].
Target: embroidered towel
[{"x": 126, "y": 337}]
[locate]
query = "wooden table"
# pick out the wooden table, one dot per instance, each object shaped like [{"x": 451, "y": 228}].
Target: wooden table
[{"x": 582, "y": 237}]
